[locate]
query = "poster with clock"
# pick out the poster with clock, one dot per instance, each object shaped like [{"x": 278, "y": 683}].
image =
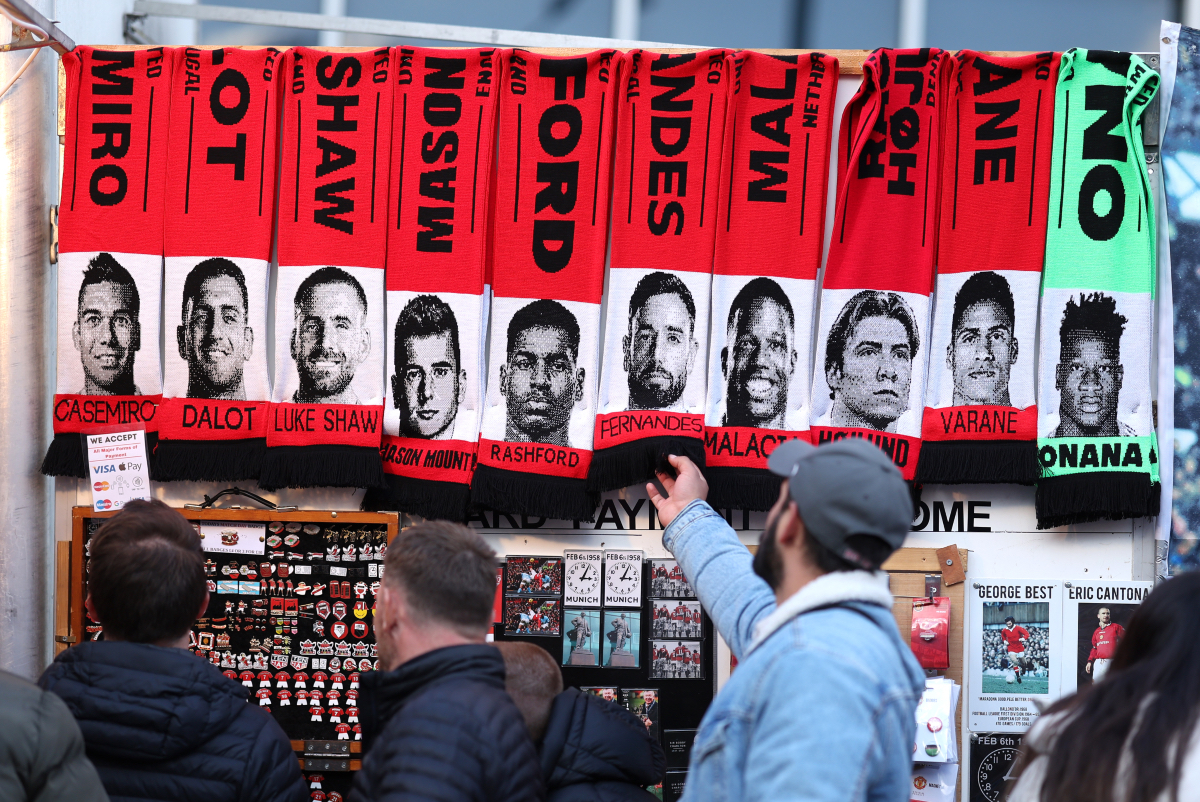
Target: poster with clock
[
  {"x": 581, "y": 577},
  {"x": 993, "y": 756},
  {"x": 622, "y": 578}
]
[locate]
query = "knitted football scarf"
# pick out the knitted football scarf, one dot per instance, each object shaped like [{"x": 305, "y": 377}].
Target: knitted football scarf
[
  {"x": 551, "y": 226},
  {"x": 220, "y": 210},
  {"x": 770, "y": 229},
  {"x": 1096, "y": 438},
  {"x": 326, "y": 423},
  {"x": 873, "y": 339},
  {"x": 441, "y": 166},
  {"x": 666, "y": 180},
  {"x": 110, "y": 247},
  {"x": 980, "y": 415}
]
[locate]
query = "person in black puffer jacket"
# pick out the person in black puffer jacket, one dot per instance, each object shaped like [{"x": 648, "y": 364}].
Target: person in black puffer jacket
[
  {"x": 437, "y": 722},
  {"x": 158, "y": 722},
  {"x": 592, "y": 750}
]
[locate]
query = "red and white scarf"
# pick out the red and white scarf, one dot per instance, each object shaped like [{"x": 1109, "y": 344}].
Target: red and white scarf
[
  {"x": 110, "y": 247},
  {"x": 770, "y": 232},
  {"x": 219, "y": 225},
  {"x": 666, "y": 176},
  {"x": 326, "y": 421},
  {"x": 550, "y": 214}
]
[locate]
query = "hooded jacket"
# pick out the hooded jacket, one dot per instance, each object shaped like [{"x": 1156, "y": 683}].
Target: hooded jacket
[
  {"x": 596, "y": 751},
  {"x": 162, "y": 724},
  {"x": 442, "y": 727},
  {"x": 41, "y": 750}
]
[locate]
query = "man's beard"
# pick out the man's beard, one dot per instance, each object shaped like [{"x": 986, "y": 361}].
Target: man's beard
[
  {"x": 643, "y": 395},
  {"x": 768, "y": 564},
  {"x": 322, "y": 382}
]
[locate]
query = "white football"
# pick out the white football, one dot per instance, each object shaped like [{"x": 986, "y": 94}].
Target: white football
[{"x": 1010, "y": 679}]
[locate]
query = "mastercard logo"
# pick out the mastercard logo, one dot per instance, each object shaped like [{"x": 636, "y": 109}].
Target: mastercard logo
[{"x": 100, "y": 487}]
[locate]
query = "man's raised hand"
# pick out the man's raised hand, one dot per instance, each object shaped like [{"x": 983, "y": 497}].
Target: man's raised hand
[{"x": 687, "y": 486}]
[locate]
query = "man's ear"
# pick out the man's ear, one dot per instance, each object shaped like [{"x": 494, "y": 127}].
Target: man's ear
[
  {"x": 1060, "y": 375},
  {"x": 295, "y": 345},
  {"x": 75, "y": 338},
  {"x": 691, "y": 360},
  {"x": 625, "y": 361},
  {"x": 90, "y": 606},
  {"x": 833, "y": 377},
  {"x": 790, "y": 530},
  {"x": 1014, "y": 349},
  {"x": 580, "y": 375},
  {"x": 364, "y": 345},
  {"x": 503, "y": 380},
  {"x": 249, "y": 335},
  {"x": 950, "y": 356},
  {"x": 204, "y": 605},
  {"x": 181, "y": 341}
]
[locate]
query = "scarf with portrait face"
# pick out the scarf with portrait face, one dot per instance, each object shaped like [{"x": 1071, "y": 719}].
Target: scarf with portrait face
[
  {"x": 550, "y": 218},
  {"x": 666, "y": 175},
  {"x": 1096, "y": 440},
  {"x": 980, "y": 421},
  {"x": 770, "y": 230},
  {"x": 872, "y": 338},
  {"x": 220, "y": 214},
  {"x": 441, "y": 165},
  {"x": 325, "y": 424},
  {"x": 110, "y": 248}
]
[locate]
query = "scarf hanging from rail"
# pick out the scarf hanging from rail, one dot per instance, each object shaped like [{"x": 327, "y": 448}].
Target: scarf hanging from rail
[
  {"x": 110, "y": 248},
  {"x": 325, "y": 424},
  {"x": 770, "y": 232},
  {"x": 873, "y": 338},
  {"x": 441, "y": 167},
  {"x": 220, "y": 213},
  {"x": 1096, "y": 440},
  {"x": 666, "y": 173},
  {"x": 550, "y": 214}
]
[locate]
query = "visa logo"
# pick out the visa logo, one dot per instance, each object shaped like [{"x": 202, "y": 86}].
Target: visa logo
[{"x": 104, "y": 469}]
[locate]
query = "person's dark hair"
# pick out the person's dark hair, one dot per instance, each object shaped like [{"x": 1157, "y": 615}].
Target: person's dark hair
[
  {"x": 103, "y": 267},
  {"x": 446, "y": 572},
  {"x": 868, "y": 303},
  {"x": 146, "y": 573},
  {"x": 660, "y": 283},
  {"x": 1008, "y": 618},
  {"x": 1148, "y": 703},
  {"x": 756, "y": 290},
  {"x": 986, "y": 287},
  {"x": 548, "y": 315},
  {"x": 1096, "y": 315},
  {"x": 532, "y": 678},
  {"x": 212, "y": 268},
  {"x": 425, "y": 316},
  {"x": 329, "y": 275}
]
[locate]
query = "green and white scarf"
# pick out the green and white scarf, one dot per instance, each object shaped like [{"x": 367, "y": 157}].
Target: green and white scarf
[{"x": 1096, "y": 438}]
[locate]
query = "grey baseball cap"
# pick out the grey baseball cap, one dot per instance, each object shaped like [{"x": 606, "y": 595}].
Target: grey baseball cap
[{"x": 845, "y": 488}]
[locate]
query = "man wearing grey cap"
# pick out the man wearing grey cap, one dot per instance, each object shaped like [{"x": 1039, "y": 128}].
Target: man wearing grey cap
[{"x": 823, "y": 703}]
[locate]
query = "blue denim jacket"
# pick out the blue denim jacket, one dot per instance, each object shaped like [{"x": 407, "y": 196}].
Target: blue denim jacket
[{"x": 822, "y": 705}]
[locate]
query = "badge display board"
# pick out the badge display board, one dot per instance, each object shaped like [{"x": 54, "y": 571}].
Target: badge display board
[{"x": 298, "y": 632}]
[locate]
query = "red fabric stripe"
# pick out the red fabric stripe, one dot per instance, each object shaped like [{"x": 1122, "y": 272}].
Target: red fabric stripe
[
  {"x": 886, "y": 221},
  {"x": 220, "y": 200},
  {"x": 327, "y": 424},
  {"x": 744, "y": 447},
  {"x": 981, "y": 422},
  {"x": 116, "y": 150},
  {"x": 198, "y": 419},
  {"x": 903, "y": 450},
  {"x": 74, "y": 413},
  {"x": 432, "y": 460},
  {"x": 616, "y": 428},
  {"x": 996, "y": 162},
  {"x": 570, "y": 463}
]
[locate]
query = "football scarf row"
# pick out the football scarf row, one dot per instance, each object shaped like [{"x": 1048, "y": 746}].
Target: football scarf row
[
  {"x": 1096, "y": 440},
  {"x": 873, "y": 336},
  {"x": 980, "y": 414}
]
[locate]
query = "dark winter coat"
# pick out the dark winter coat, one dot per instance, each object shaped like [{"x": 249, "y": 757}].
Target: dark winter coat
[
  {"x": 596, "y": 751},
  {"x": 162, "y": 724},
  {"x": 41, "y": 750},
  {"x": 442, "y": 727}
]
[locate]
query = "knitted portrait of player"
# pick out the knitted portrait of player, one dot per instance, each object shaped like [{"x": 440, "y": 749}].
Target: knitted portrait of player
[
  {"x": 110, "y": 325},
  {"x": 433, "y": 356},
  {"x": 870, "y": 371},
  {"x": 331, "y": 340},
  {"x": 659, "y": 340},
  {"x": 220, "y": 331},
  {"x": 1016, "y": 647},
  {"x": 981, "y": 341},
  {"x": 539, "y": 382},
  {"x": 1101, "y": 629},
  {"x": 760, "y": 377},
  {"x": 1093, "y": 395}
]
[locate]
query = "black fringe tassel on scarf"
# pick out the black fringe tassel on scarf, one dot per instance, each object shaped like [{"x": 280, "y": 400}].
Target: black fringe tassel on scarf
[
  {"x": 311, "y": 466},
  {"x": 960, "y": 462},
  {"x": 1105, "y": 495}
]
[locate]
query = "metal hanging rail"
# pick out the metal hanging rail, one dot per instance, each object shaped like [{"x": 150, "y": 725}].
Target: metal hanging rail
[
  {"x": 382, "y": 27},
  {"x": 21, "y": 11}
]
